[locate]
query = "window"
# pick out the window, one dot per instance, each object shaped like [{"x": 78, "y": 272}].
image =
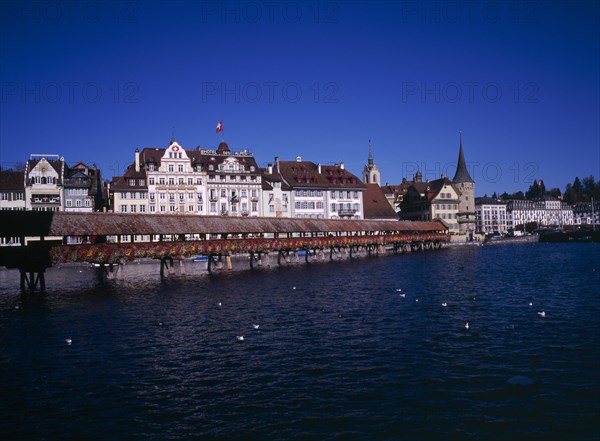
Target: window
[
  {"x": 180, "y": 168},
  {"x": 68, "y": 202},
  {"x": 333, "y": 207},
  {"x": 151, "y": 197},
  {"x": 171, "y": 167},
  {"x": 162, "y": 195},
  {"x": 223, "y": 193},
  {"x": 142, "y": 195},
  {"x": 133, "y": 194},
  {"x": 190, "y": 195},
  {"x": 180, "y": 181},
  {"x": 123, "y": 195},
  {"x": 272, "y": 208},
  {"x": 253, "y": 193},
  {"x": 161, "y": 181},
  {"x": 190, "y": 208},
  {"x": 152, "y": 209},
  {"x": 198, "y": 181},
  {"x": 133, "y": 208},
  {"x": 213, "y": 207},
  {"x": 151, "y": 181},
  {"x": 88, "y": 203},
  {"x": 190, "y": 181},
  {"x": 124, "y": 208},
  {"x": 172, "y": 208},
  {"x": 244, "y": 193},
  {"x": 163, "y": 208},
  {"x": 297, "y": 205},
  {"x": 78, "y": 202},
  {"x": 171, "y": 197},
  {"x": 319, "y": 205},
  {"x": 171, "y": 181},
  {"x": 254, "y": 206},
  {"x": 132, "y": 182},
  {"x": 181, "y": 196}
]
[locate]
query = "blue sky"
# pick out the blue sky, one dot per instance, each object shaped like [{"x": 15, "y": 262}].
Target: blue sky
[{"x": 94, "y": 80}]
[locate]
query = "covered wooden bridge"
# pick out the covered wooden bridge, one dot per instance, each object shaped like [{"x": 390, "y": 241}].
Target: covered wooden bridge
[{"x": 43, "y": 239}]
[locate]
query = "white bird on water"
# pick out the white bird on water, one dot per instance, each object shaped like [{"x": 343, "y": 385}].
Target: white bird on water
[
  {"x": 402, "y": 295},
  {"x": 444, "y": 304},
  {"x": 399, "y": 289},
  {"x": 256, "y": 326},
  {"x": 530, "y": 304},
  {"x": 68, "y": 341},
  {"x": 240, "y": 337},
  {"x": 467, "y": 325},
  {"x": 542, "y": 313},
  {"x": 219, "y": 303}
]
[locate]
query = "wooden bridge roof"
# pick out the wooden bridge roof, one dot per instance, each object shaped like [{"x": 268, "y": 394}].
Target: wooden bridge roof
[{"x": 33, "y": 223}]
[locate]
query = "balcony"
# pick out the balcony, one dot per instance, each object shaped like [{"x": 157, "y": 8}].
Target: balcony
[
  {"x": 245, "y": 213},
  {"x": 347, "y": 212},
  {"x": 224, "y": 213}
]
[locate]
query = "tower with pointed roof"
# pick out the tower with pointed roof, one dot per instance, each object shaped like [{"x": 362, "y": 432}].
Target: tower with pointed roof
[
  {"x": 371, "y": 174},
  {"x": 466, "y": 185}
]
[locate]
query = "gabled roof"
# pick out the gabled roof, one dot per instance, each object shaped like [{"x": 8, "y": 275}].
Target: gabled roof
[
  {"x": 376, "y": 205},
  {"x": 305, "y": 174},
  {"x": 121, "y": 183}
]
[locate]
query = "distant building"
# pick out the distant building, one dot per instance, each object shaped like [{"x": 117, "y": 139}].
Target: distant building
[
  {"x": 44, "y": 182},
  {"x": 375, "y": 204},
  {"x": 201, "y": 181},
  {"x": 83, "y": 189},
  {"x": 371, "y": 174},
  {"x": 547, "y": 211},
  {"x": 12, "y": 190},
  {"x": 491, "y": 216},
  {"x": 276, "y": 194},
  {"x": 584, "y": 215},
  {"x": 466, "y": 187},
  {"x": 438, "y": 199},
  {"x": 317, "y": 191}
]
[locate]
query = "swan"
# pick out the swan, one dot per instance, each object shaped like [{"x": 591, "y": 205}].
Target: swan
[
  {"x": 542, "y": 313},
  {"x": 530, "y": 304},
  {"x": 68, "y": 341},
  {"x": 240, "y": 337},
  {"x": 219, "y": 303},
  {"x": 467, "y": 325},
  {"x": 444, "y": 304},
  {"x": 256, "y": 326},
  {"x": 403, "y": 295}
]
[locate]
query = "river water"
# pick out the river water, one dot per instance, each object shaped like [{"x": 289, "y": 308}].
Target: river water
[{"x": 339, "y": 353}]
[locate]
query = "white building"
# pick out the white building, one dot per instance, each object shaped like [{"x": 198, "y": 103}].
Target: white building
[
  {"x": 201, "y": 182},
  {"x": 44, "y": 176},
  {"x": 547, "y": 211},
  {"x": 321, "y": 192},
  {"x": 584, "y": 214},
  {"x": 276, "y": 194},
  {"x": 491, "y": 216}
]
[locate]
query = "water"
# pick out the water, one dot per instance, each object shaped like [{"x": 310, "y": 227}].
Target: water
[{"x": 341, "y": 356}]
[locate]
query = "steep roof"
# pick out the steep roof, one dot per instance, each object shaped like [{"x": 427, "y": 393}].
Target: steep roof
[
  {"x": 120, "y": 183},
  {"x": 376, "y": 205},
  {"x": 462, "y": 174},
  {"x": 303, "y": 174}
]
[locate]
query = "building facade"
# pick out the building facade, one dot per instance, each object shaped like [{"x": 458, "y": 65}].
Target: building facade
[
  {"x": 321, "y": 192},
  {"x": 548, "y": 211},
  {"x": 44, "y": 182},
  {"x": 429, "y": 200},
  {"x": 492, "y": 216},
  {"x": 586, "y": 213},
  {"x": 12, "y": 190},
  {"x": 199, "y": 182}
]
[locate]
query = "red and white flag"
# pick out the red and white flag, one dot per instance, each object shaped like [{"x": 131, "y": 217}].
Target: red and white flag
[{"x": 220, "y": 126}]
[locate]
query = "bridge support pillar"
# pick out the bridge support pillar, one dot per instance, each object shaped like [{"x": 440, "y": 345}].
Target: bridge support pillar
[
  {"x": 33, "y": 280},
  {"x": 166, "y": 262}
]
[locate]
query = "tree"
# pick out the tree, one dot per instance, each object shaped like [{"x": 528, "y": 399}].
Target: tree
[
  {"x": 570, "y": 196},
  {"x": 534, "y": 191},
  {"x": 494, "y": 195},
  {"x": 589, "y": 187},
  {"x": 505, "y": 196},
  {"x": 578, "y": 188},
  {"x": 555, "y": 193}
]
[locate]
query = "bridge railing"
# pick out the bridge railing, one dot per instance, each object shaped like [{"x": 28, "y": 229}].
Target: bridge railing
[{"x": 117, "y": 252}]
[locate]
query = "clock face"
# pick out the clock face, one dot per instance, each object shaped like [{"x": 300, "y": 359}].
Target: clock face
[{"x": 44, "y": 169}]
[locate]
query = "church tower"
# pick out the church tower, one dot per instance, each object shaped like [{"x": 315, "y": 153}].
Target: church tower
[
  {"x": 371, "y": 173},
  {"x": 466, "y": 201}
]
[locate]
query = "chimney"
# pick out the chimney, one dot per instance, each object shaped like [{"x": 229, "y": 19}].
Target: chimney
[
  {"x": 277, "y": 164},
  {"x": 319, "y": 168},
  {"x": 298, "y": 158},
  {"x": 137, "y": 160},
  {"x": 342, "y": 165},
  {"x": 270, "y": 169}
]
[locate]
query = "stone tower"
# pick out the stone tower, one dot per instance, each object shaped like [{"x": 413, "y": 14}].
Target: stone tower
[
  {"x": 371, "y": 173},
  {"x": 466, "y": 201}
]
